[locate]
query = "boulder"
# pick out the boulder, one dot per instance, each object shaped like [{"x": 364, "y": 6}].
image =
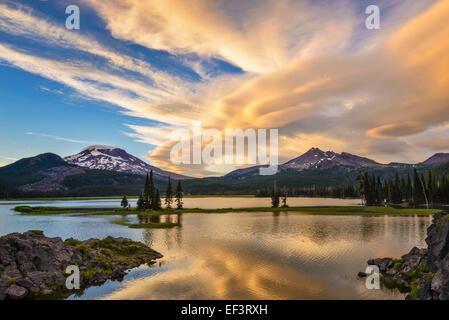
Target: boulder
[{"x": 15, "y": 292}]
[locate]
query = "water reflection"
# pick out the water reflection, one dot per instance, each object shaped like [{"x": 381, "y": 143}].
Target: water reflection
[
  {"x": 256, "y": 255},
  {"x": 164, "y": 218},
  {"x": 270, "y": 256}
]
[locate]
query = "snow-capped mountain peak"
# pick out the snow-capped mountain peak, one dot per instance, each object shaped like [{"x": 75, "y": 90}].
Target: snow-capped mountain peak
[
  {"x": 316, "y": 158},
  {"x": 115, "y": 159}
]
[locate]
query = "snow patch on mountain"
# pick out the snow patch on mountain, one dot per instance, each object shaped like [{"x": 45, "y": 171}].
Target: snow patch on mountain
[{"x": 116, "y": 159}]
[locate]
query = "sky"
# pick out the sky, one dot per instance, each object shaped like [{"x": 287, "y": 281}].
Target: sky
[{"x": 137, "y": 70}]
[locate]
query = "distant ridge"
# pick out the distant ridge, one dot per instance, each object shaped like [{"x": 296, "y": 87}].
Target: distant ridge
[
  {"x": 111, "y": 171},
  {"x": 317, "y": 159}
]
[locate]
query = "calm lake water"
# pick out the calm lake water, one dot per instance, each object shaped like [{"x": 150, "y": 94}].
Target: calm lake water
[{"x": 241, "y": 255}]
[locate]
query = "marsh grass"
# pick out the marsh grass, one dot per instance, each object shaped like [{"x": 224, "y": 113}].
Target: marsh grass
[{"x": 342, "y": 210}]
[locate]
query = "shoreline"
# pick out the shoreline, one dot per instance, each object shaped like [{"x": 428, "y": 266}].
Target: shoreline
[{"x": 319, "y": 210}]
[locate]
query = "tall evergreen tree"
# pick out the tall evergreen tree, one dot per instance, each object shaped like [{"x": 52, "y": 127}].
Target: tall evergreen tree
[
  {"x": 431, "y": 187},
  {"x": 275, "y": 197},
  {"x": 379, "y": 192},
  {"x": 147, "y": 193},
  {"x": 179, "y": 196},
  {"x": 418, "y": 197},
  {"x": 396, "y": 191},
  {"x": 169, "y": 194},
  {"x": 361, "y": 179},
  {"x": 140, "y": 203},
  {"x": 124, "y": 202},
  {"x": 152, "y": 192},
  {"x": 409, "y": 189},
  {"x": 157, "y": 205},
  {"x": 284, "y": 197}
]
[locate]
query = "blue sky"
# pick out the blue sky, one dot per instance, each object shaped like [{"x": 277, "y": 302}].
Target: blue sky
[
  {"x": 137, "y": 70},
  {"x": 40, "y": 115}
]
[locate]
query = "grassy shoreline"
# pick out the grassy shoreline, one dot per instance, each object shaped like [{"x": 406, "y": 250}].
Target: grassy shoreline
[{"x": 334, "y": 210}]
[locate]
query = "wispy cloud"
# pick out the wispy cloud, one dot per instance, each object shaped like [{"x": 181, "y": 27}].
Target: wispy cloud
[
  {"x": 306, "y": 70},
  {"x": 56, "y": 91},
  {"x": 58, "y": 138}
]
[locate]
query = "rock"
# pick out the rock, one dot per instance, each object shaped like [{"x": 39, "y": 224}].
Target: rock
[
  {"x": 422, "y": 272},
  {"x": 383, "y": 263},
  {"x": 391, "y": 272},
  {"x": 15, "y": 292},
  {"x": 33, "y": 263},
  {"x": 27, "y": 284},
  {"x": 412, "y": 260}
]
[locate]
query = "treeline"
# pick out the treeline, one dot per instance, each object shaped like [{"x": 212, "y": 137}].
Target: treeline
[
  {"x": 9, "y": 192},
  {"x": 420, "y": 190},
  {"x": 345, "y": 191},
  {"x": 150, "y": 198}
]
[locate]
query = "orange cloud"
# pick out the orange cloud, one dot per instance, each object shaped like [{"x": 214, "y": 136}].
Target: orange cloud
[{"x": 395, "y": 130}]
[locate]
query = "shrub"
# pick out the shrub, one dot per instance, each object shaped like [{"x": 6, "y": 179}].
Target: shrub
[
  {"x": 397, "y": 266},
  {"x": 72, "y": 242},
  {"x": 38, "y": 232},
  {"x": 415, "y": 288}
]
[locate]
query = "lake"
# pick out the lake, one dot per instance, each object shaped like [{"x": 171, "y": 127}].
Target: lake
[{"x": 241, "y": 255}]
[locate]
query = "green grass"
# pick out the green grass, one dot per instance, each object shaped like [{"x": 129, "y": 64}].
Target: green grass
[
  {"x": 343, "y": 210},
  {"x": 46, "y": 210}
]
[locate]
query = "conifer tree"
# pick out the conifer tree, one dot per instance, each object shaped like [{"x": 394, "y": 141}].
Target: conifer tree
[
  {"x": 156, "y": 200},
  {"x": 151, "y": 192},
  {"x": 140, "y": 203},
  {"x": 179, "y": 196},
  {"x": 275, "y": 197},
  {"x": 169, "y": 194},
  {"x": 284, "y": 197},
  {"x": 396, "y": 192},
  {"x": 124, "y": 202},
  {"x": 409, "y": 189},
  {"x": 417, "y": 189},
  {"x": 147, "y": 198}
]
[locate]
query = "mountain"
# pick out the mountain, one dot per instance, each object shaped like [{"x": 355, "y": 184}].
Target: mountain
[
  {"x": 29, "y": 170},
  {"x": 49, "y": 175},
  {"x": 116, "y": 159},
  {"x": 436, "y": 159},
  {"x": 312, "y": 159},
  {"x": 318, "y": 159}
]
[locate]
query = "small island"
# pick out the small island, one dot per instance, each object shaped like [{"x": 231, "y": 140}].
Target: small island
[{"x": 33, "y": 265}]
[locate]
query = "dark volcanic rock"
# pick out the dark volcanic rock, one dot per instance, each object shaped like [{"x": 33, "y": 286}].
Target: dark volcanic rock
[
  {"x": 33, "y": 265},
  {"x": 424, "y": 273}
]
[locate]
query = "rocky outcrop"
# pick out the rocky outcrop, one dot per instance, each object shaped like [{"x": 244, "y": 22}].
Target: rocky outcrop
[
  {"x": 422, "y": 273},
  {"x": 33, "y": 265},
  {"x": 53, "y": 179}
]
